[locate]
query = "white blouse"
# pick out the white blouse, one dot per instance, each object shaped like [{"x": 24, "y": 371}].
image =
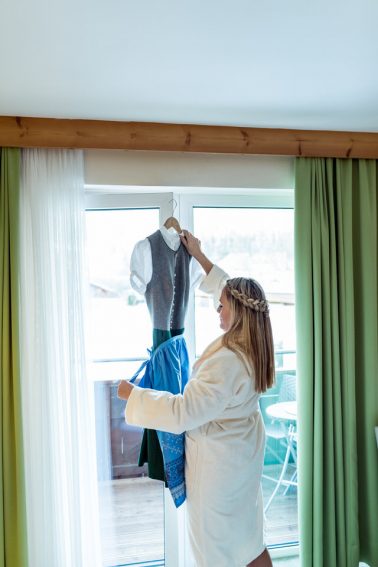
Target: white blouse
[{"x": 141, "y": 261}]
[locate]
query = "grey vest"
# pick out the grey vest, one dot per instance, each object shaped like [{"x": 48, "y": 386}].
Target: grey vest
[{"x": 167, "y": 293}]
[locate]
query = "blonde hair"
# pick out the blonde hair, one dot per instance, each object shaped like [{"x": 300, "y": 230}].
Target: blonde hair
[{"x": 250, "y": 335}]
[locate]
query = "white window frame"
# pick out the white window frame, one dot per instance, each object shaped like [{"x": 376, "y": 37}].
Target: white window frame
[
  {"x": 232, "y": 198},
  {"x": 254, "y": 198},
  {"x": 180, "y": 201},
  {"x": 102, "y": 198},
  {"x": 96, "y": 199}
]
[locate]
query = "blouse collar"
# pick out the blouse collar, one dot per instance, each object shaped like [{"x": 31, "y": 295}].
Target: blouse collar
[{"x": 171, "y": 237}]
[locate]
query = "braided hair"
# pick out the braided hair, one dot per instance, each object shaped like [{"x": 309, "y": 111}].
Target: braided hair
[
  {"x": 251, "y": 302},
  {"x": 250, "y": 335}
]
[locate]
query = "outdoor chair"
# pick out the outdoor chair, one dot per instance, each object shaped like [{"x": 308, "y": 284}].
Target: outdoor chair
[{"x": 283, "y": 428}]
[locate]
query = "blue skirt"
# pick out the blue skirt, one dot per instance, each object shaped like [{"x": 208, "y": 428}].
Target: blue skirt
[{"x": 167, "y": 370}]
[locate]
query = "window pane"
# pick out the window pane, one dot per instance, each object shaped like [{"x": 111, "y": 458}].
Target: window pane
[
  {"x": 255, "y": 243},
  {"x": 119, "y": 328},
  {"x": 259, "y": 243},
  {"x": 119, "y": 321}
]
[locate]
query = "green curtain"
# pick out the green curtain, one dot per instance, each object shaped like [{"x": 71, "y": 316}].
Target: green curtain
[
  {"x": 337, "y": 343},
  {"x": 12, "y": 492}
]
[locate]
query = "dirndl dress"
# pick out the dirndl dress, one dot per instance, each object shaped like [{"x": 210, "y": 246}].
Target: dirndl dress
[{"x": 167, "y": 369}]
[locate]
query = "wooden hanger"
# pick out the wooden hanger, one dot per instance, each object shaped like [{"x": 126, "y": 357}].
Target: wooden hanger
[{"x": 172, "y": 222}]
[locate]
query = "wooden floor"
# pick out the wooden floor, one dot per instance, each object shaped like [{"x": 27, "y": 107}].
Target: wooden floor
[{"x": 132, "y": 520}]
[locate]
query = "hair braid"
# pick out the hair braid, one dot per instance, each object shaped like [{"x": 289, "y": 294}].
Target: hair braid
[
  {"x": 255, "y": 304},
  {"x": 250, "y": 335}
]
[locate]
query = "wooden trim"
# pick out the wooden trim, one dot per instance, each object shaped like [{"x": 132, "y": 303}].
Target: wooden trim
[{"x": 27, "y": 132}]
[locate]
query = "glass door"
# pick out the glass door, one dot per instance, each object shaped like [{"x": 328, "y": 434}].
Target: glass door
[
  {"x": 244, "y": 234},
  {"x": 134, "y": 511},
  {"x": 253, "y": 235}
]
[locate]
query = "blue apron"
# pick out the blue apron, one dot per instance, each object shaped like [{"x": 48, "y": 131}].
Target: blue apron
[{"x": 167, "y": 370}]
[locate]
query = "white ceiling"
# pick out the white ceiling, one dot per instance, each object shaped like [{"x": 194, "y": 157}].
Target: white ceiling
[{"x": 273, "y": 63}]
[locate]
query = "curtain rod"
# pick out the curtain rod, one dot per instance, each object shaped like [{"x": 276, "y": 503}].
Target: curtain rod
[{"x": 29, "y": 132}]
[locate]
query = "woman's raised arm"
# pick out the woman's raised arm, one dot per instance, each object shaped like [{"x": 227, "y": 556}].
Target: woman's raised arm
[{"x": 193, "y": 246}]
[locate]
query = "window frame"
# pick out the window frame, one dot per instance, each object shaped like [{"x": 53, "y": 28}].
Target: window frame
[
  {"x": 253, "y": 198},
  {"x": 180, "y": 202}
]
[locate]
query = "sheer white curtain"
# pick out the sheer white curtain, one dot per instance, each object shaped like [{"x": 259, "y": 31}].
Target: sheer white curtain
[{"x": 58, "y": 416}]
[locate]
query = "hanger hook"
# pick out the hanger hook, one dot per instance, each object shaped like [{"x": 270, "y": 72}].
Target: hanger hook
[{"x": 174, "y": 204}]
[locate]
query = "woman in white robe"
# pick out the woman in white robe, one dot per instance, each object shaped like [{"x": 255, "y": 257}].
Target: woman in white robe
[{"x": 225, "y": 436}]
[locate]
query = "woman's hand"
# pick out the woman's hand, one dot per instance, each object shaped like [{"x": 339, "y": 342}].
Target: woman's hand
[
  {"x": 191, "y": 243},
  {"x": 124, "y": 390},
  {"x": 193, "y": 246}
]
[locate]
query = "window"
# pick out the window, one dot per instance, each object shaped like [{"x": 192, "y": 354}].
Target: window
[
  {"x": 118, "y": 333},
  {"x": 246, "y": 234},
  {"x": 253, "y": 234},
  {"x": 111, "y": 235},
  {"x": 259, "y": 243}
]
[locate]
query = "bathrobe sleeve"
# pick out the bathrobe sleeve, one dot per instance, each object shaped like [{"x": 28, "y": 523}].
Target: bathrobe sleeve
[
  {"x": 214, "y": 283},
  {"x": 204, "y": 399}
]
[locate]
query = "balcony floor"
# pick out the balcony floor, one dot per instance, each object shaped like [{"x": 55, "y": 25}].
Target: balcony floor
[{"x": 132, "y": 519}]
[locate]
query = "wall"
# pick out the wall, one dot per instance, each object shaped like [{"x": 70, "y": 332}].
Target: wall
[{"x": 157, "y": 169}]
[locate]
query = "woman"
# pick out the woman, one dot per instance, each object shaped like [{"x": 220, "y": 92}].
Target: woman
[{"x": 219, "y": 411}]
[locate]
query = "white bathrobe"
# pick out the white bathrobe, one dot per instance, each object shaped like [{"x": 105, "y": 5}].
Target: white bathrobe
[{"x": 224, "y": 451}]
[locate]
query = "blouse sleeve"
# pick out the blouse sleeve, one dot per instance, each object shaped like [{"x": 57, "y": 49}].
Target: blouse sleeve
[
  {"x": 204, "y": 399},
  {"x": 214, "y": 283},
  {"x": 196, "y": 273},
  {"x": 141, "y": 266}
]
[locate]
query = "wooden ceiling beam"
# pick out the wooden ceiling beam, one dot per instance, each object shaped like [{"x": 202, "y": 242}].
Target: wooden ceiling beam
[{"x": 26, "y": 132}]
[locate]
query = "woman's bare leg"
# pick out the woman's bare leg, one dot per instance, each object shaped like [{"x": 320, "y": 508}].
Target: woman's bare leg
[{"x": 262, "y": 560}]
